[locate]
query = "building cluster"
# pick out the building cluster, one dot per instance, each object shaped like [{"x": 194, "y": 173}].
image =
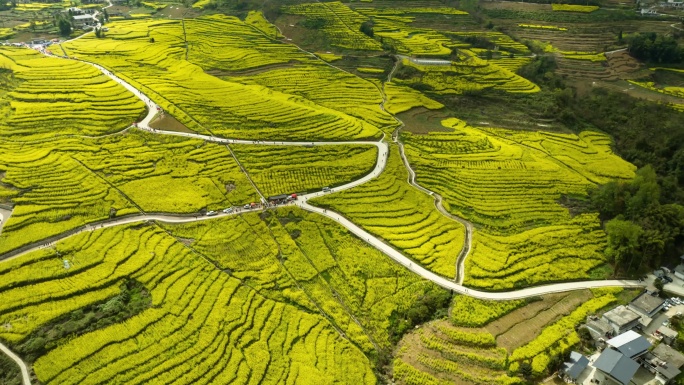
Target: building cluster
[
  {"x": 634, "y": 346},
  {"x": 650, "y": 8}
]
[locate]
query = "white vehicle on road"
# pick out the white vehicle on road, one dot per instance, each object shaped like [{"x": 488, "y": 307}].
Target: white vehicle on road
[
  {"x": 228, "y": 210},
  {"x": 211, "y": 213}
]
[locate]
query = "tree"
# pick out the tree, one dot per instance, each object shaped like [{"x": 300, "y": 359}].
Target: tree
[
  {"x": 526, "y": 369},
  {"x": 646, "y": 192},
  {"x": 623, "y": 241},
  {"x": 658, "y": 283},
  {"x": 64, "y": 27},
  {"x": 584, "y": 334},
  {"x": 653, "y": 47},
  {"x": 367, "y": 28},
  {"x": 608, "y": 200}
]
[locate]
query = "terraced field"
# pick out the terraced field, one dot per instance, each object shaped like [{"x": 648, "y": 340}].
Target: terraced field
[
  {"x": 406, "y": 218},
  {"x": 285, "y": 296},
  {"x": 402, "y": 98},
  {"x": 288, "y": 169},
  {"x": 52, "y": 193},
  {"x": 508, "y": 184},
  {"x": 184, "y": 336},
  {"x": 327, "y": 86},
  {"x": 167, "y": 72},
  {"x": 341, "y": 25},
  {"x": 59, "y": 186},
  {"x": 42, "y": 97},
  {"x": 468, "y": 74},
  {"x": 293, "y": 311},
  {"x": 475, "y": 346}
]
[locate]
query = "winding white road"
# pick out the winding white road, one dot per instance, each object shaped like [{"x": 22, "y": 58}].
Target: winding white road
[
  {"x": 362, "y": 234},
  {"x": 24, "y": 369},
  {"x": 358, "y": 231},
  {"x": 383, "y": 151}
]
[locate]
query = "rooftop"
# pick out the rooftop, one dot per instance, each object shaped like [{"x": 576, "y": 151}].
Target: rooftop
[
  {"x": 598, "y": 328},
  {"x": 621, "y": 316},
  {"x": 647, "y": 303},
  {"x": 669, "y": 355},
  {"x": 630, "y": 343},
  {"x": 617, "y": 365},
  {"x": 82, "y": 17},
  {"x": 666, "y": 331},
  {"x": 576, "y": 365}
]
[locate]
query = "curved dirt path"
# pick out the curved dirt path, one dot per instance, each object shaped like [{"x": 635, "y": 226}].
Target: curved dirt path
[{"x": 24, "y": 369}]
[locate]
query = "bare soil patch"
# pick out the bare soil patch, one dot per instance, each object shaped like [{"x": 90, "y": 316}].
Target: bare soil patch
[
  {"x": 411, "y": 347},
  {"x": 167, "y": 122},
  {"x": 524, "y": 324},
  {"x": 626, "y": 67}
]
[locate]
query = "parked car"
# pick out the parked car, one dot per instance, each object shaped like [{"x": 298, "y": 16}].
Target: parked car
[
  {"x": 247, "y": 207},
  {"x": 228, "y": 210},
  {"x": 211, "y": 213},
  {"x": 326, "y": 189},
  {"x": 666, "y": 278}
]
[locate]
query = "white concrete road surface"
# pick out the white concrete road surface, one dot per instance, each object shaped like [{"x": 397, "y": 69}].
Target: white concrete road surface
[
  {"x": 24, "y": 369},
  {"x": 303, "y": 203},
  {"x": 362, "y": 234}
]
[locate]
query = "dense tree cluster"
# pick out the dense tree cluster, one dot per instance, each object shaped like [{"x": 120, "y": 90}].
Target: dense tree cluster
[
  {"x": 652, "y": 47},
  {"x": 133, "y": 299},
  {"x": 644, "y": 218},
  {"x": 640, "y": 228}
]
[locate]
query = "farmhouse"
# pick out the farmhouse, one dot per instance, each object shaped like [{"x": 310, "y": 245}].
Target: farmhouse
[
  {"x": 647, "y": 305},
  {"x": 673, "y": 4},
  {"x": 573, "y": 368},
  {"x": 679, "y": 271},
  {"x": 613, "y": 365},
  {"x": 668, "y": 335},
  {"x": 630, "y": 343},
  {"x": 599, "y": 329},
  {"x": 664, "y": 362},
  {"x": 622, "y": 319},
  {"x": 81, "y": 21}
]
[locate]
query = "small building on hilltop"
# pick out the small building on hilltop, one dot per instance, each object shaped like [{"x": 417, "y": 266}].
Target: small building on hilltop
[
  {"x": 647, "y": 305},
  {"x": 630, "y": 343},
  {"x": 622, "y": 319},
  {"x": 615, "y": 366},
  {"x": 81, "y": 21}
]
